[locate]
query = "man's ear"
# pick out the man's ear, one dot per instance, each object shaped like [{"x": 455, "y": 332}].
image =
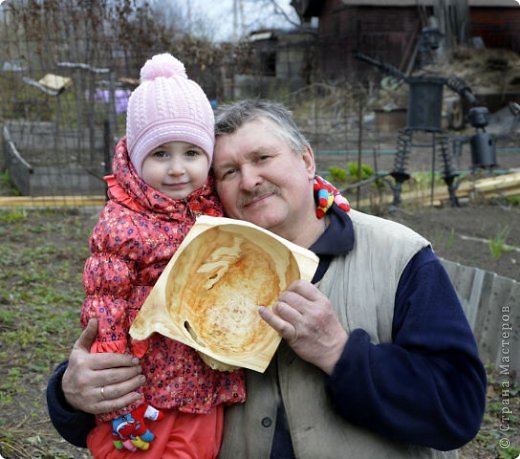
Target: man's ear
[{"x": 310, "y": 164}]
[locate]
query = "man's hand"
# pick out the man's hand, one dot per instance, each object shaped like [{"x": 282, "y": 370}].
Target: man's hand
[
  {"x": 305, "y": 319},
  {"x": 99, "y": 383}
]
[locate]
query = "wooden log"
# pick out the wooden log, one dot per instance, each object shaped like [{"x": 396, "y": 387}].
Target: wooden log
[{"x": 51, "y": 201}]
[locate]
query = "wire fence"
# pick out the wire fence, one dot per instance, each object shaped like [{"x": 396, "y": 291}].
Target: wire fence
[
  {"x": 59, "y": 100},
  {"x": 66, "y": 72}
]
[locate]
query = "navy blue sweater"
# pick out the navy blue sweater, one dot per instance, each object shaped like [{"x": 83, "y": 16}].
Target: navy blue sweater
[{"x": 427, "y": 387}]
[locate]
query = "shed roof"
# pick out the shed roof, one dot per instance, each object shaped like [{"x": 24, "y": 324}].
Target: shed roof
[
  {"x": 313, "y": 7},
  {"x": 480, "y": 3}
]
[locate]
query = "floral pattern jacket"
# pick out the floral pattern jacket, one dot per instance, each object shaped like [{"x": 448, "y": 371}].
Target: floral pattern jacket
[{"x": 138, "y": 231}]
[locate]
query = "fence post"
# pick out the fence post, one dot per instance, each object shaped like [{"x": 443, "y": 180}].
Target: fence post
[{"x": 107, "y": 148}]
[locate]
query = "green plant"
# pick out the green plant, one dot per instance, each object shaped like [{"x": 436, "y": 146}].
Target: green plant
[
  {"x": 422, "y": 180},
  {"x": 7, "y": 318},
  {"x": 366, "y": 171},
  {"x": 337, "y": 174},
  {"x": 498, "y": 245},
  {"x": 451, "y": 238},
  {"x": 509, "y": 453},
  {"x": 7, "y": 187},
  {"x": 5, "y": 178},
  {"x": 341, "y": 177},
  {"x": 9, "y": 216}
]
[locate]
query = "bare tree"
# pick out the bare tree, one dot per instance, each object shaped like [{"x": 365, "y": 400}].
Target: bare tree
[
  {"x": 454, "y": 20},
  {"x": 182, "y": 16},
  {"x": 265, "y": 13}
]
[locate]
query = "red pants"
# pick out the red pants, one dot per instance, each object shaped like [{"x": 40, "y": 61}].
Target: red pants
[{"x": 177, "y": 436}]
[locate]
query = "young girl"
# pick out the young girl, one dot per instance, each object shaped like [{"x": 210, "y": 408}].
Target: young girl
[{"x": 160, "y": 184}]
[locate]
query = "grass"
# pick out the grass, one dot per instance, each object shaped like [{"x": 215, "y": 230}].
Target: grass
[
  {"x": 41, "y": 257},
  {"x": 497, "y": 245},
  {"x": 444, "y": 237},
  {"x": 498, "y": 437},
  {"x": 6, "y": 188}
]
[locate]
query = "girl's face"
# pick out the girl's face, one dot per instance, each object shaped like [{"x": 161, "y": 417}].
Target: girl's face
[{"x": 176, "y": 169}]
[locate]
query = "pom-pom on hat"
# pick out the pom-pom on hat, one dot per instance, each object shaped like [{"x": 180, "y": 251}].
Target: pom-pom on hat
[{"x": 167, "y": 107}]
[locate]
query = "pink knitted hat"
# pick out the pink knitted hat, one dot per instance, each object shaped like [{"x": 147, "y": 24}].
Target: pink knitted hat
[{"x": 167, "y": 107}]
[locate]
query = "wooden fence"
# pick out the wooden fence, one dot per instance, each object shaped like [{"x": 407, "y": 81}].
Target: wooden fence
[{"x": 492, "y": 306}]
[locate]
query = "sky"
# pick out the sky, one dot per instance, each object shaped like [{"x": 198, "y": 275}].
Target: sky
[{"x": 216, "y": 18}]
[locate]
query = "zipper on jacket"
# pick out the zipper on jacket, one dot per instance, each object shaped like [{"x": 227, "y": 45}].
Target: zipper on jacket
[{"x": 192, "y": 214}]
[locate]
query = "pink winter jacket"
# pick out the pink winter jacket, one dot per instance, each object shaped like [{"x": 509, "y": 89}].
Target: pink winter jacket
[{"x": 138, "y": 231}]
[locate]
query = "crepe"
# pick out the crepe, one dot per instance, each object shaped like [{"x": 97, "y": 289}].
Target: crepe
[{"x": 208, "y": 295}]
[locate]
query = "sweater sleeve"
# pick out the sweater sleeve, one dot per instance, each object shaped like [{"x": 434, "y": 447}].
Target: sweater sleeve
[
  {"x": 72, "y": 425},
  {"x": 427, "y": 387},
  {"x": 107, "y": 279},
  {"x": 113, "y": 297},
  {"x": 110, "y": 276}
]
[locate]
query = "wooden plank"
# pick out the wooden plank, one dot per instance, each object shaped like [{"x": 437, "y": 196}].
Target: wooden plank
[
  {"x": 468, "y": 283},
  {"x": 492, "y": 305},
  {"x": 51, "y": 201}
]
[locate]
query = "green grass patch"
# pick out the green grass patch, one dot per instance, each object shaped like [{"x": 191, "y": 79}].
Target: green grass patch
[
  {"x": 41, "y": 262},
  {"x": 498, "y": 245}
]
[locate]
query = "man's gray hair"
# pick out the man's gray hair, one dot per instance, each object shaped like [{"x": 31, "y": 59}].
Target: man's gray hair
[{"x": 229, "y": 118}]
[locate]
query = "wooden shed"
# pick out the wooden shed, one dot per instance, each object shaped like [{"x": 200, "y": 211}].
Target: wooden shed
[{"x": 389, "y": 29}]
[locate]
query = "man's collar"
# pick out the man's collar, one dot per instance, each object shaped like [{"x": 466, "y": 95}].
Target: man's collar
[{"x": 338, "y": 237}]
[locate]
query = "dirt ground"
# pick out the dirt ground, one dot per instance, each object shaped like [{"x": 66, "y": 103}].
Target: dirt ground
[{"x": 464, "y": 234}]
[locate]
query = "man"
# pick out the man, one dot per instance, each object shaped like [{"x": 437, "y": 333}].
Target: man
[{"x": 377, "y": 358}]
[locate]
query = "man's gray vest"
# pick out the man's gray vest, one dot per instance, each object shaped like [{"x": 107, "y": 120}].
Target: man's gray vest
[{"x": 362, "y": 287}]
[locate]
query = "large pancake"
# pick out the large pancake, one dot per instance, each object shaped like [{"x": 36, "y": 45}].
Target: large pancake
[{"x": 209, "y": 293}]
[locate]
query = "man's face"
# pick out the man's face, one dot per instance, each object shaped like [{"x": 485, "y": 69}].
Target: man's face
[{"x": 260, "y": 179}]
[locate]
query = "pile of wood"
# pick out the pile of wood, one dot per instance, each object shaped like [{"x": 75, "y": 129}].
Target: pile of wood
[{"x": 470, "y": 189}]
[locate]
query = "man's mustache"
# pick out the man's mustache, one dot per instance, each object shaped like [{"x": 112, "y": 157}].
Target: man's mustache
[{"x": 246, "y": 197}]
